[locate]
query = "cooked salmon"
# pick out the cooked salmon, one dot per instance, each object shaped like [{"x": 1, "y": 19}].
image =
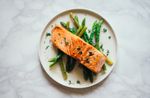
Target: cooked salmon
[{"x": 77, "y": 48}]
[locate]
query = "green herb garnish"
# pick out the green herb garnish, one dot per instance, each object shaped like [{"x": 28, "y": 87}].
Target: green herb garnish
[
  {"x": 78, "y": 82},
  {"x": 66, "y": 43},
  {"x": 104, "y": 30},
  {"x": 101, "y": 48},
  {"x": 48, "y": 34},
  {"x": 47, "y": 47},
  {"x": 109, "y": 37},
  {"x": 89, "y": 31},
  {"x": 69, "y": 82},
  {"x": 108, "y": 52}
]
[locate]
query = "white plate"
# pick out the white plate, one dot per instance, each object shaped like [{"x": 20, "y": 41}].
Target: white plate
[{"x": 76, "y": 74}]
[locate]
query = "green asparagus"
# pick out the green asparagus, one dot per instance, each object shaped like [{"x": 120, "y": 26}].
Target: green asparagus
[
  {"x": 70, "y": 64},
  {"x": 92, "y": 33},
  {"x": 62, "y": 67},
  {"x": 82, "y": 31},
  {"x": 75, "y": 20},
  {"x": 63, "y": 24},
  {"x": 83, "y": 22},
  {"x": 78, "y": 30},
  {"x": 55, "y": 59},
  {"x": 97, "y": 33}
]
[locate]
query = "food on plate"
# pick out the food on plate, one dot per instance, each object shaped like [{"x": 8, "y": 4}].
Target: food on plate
[{"x": 77, "y": 45}]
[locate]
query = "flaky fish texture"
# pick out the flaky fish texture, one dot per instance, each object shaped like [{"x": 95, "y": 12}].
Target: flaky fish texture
[{"x": 77, "y": 48}]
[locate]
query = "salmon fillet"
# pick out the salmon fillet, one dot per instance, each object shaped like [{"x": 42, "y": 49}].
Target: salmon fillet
[{"x": 77, "y": 48}]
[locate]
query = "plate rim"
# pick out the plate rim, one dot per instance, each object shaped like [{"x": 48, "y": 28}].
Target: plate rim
[{"x": 47, "y": 25}]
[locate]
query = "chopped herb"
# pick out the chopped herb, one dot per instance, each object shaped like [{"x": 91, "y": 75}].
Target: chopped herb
[
  {"x": 78, "y": 82},
  {"x": 108, "y": 52},
  {"x": 101, "y": 48},
  {"x": 109, "y": 37},
  {"x": 104, "y": 30},
  {"x": 69, "y": 82},
  {"x": 48, "y": 34},
  {"x": 47, "y": 47},
  {"x": 51, "y": 26},
  {"x": 89, "y": 31},
  {"x": 66, "y": 41}
]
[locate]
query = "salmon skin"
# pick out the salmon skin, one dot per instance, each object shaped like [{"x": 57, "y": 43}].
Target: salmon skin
[{"x": 77, "y": 48}]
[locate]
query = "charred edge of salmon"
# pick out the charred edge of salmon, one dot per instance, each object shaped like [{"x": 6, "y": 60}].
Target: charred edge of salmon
[{"x": 95, "y": 65}]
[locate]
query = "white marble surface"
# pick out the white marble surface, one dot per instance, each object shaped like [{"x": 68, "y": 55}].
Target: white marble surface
[{"x": 21, "y": 24}]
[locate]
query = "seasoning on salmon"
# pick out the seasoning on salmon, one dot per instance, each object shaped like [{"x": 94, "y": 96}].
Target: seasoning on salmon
[{"x": 77, "y": 48}]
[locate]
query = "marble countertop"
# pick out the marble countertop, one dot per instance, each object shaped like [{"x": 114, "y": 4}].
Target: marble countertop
[{"x": 21, "y": 24}]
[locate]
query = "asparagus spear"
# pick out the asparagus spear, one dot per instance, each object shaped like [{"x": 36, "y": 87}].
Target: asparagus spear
[
  {"x": 62, "y": 67},
  {"x": 63, "y": 24},
  {"x": 86, "y": 37},
  {"x": 97, "y": 33},
  {"x": 79, "y": 29},
  {"x": 97, "y": 36},
  {"x": 96, "y": 30},
  {"x": 82, "y": 31},
  {"x": 83, "y": 22},
  {"x": 93, "y": 33},
  {"x": 75, "y": 20},
  {"x": 55, "y": 59},
  {"x": 67, "y": 25},
  {"x": 70, "y": 63},
  {"x": 85, "y": 72},
  {"x": 108, "y": 61},
  {"x": 73, "y": 30}
]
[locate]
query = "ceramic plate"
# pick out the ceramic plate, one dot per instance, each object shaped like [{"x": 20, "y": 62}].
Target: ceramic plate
[{"x": 48, "y": 51}]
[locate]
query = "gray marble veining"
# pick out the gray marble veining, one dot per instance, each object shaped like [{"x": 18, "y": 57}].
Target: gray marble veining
[{"x": 21, "y": 24}]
